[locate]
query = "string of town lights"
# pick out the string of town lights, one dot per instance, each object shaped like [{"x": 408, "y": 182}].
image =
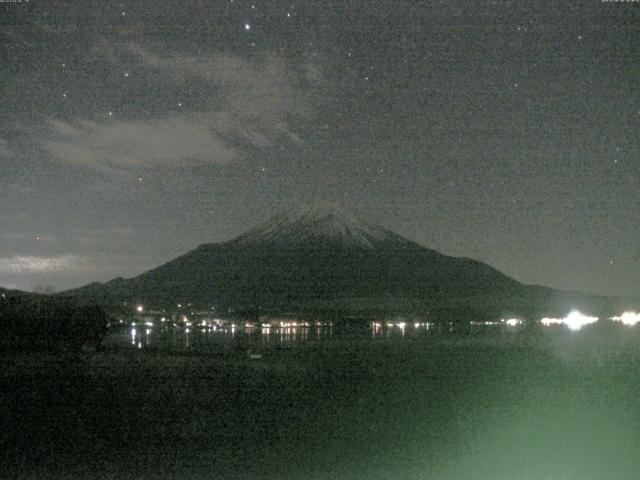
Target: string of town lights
[{"x": 574, "y": 321}]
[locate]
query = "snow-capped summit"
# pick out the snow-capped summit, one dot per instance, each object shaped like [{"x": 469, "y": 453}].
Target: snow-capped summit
[{"x": 321, "y": 221}]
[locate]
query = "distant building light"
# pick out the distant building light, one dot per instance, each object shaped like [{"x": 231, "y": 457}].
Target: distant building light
[
  {"x": 140, "y": 308},
  {"x": 628, "y": 318},
  {"x": 574, "y": 321},
  {"x": 512, "y": 322}
]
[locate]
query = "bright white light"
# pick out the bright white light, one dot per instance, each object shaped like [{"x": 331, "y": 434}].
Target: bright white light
[
  {"x": 513, "y": 322},
  {"x": 247, "y": 26},
  {"x": 140, "y": 308},
  {"x": 546, "y": 321},
  {"x": 628, "y": 318},
  {"x": 574, "y": 321}
]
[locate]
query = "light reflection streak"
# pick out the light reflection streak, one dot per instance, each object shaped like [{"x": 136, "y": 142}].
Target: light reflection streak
[{"x": 182, "y": 335}]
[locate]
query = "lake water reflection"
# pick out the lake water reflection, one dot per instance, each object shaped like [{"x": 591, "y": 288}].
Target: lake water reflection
[
  {"x": 256, "y": 337},
  {"x": 346, "y": 401}
]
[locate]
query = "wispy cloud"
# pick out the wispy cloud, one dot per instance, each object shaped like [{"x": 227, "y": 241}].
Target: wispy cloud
[
  {"x": 95, "y": 263},
  {"x": 255, "y": 104},
  {"x": 137, "y": 143},
  {"x": 36, "y": 264},
  {"x": 265, "y": 93}
]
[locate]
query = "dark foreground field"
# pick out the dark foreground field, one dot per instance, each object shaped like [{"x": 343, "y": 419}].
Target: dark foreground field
[{"x": 500, "y": 407}]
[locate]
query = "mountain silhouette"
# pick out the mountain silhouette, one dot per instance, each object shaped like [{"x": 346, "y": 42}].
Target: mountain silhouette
[{"x": 319, "y": 259}]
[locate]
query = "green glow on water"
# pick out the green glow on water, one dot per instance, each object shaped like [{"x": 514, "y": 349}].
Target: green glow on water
[{"x": 506, "y": 405}]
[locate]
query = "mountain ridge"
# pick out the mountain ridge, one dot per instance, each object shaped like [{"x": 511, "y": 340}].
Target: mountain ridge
[{"x": 319, "y": 258}]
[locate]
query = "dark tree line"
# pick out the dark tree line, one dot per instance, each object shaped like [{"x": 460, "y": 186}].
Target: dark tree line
[{"x": 49, "y": 323}]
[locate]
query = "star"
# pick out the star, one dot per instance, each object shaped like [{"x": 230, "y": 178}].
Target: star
[
  {"x": 179, "y": 104},
  {"x": 64, "y": 95},
  {"x": 126, "y": 74},
  {"x": 247, "y": 26}
]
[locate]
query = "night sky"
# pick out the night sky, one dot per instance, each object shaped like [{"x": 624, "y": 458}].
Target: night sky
[{"x": 505, "y": 131}]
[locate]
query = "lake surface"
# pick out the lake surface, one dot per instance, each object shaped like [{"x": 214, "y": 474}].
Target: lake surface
[{"x": 329, "y": 403}]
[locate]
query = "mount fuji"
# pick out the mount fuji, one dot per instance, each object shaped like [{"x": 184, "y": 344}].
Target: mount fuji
[{"x": 320, "y": 260}]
